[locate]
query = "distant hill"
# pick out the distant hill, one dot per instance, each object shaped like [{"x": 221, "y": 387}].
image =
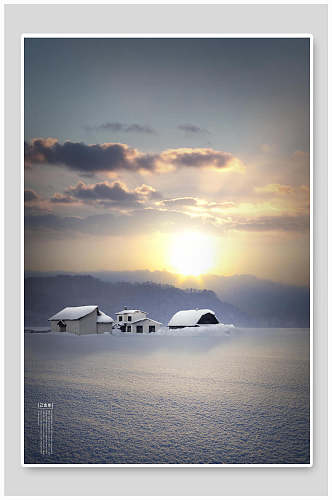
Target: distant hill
[
  {"x": 242, "y": 299},
  {"x": 268, "y": 302},
  {"x": 44, "y": 296}
]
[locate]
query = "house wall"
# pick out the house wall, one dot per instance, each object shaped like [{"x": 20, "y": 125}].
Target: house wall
[
  {"x": 104, "y": 327},
  {"x": 81, "y": 326},
  {"x": 134, "y": 317},
  {"x": 54, "y": 326},
  {"x": 73, "y": 326},
  {"x": 88, "y": 324},
  {"x": 145, "y": 325}
]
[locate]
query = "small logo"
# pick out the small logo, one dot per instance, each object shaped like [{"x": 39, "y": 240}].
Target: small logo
[{"x": 45, "y": 406}]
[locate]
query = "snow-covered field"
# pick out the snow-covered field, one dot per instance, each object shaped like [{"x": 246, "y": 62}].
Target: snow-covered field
[
  {"x": 200, "y": 395},
  {"x": 208, "y": 330}
]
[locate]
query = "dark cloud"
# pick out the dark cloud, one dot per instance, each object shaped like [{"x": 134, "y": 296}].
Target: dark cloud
[
  {"x": 198, "y": 157},
  {"x": 146, "y": 221},
  {"x": 115, "y": 192},
  {"x": 111, "y": 126},
  {"x": 189, "y": 201},
  {"x": 141, "y": 221},
  {"x": 109, "y": 157},
  {"x": 123, "y": 127},
  {"x": 78, "y": 155},
  {"x": 140, "y": 129},
  {"x": 30, "y": 196},
  {"x": 189, "y": 128},
  {"x": 62, "y": 198},
  {"x": 107, "y": 194}
]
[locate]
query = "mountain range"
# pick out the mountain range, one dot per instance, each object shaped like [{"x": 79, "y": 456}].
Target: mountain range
[{"x": 242, "y": 300}]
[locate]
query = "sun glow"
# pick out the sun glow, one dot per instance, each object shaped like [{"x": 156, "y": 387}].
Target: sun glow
[{"x": 192, "y": 254}]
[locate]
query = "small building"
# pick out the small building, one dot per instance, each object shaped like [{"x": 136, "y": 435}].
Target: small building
[
  {"x": 193, "y": 318},
  {"x": 81, "y": 320},
  {"x": 136, "y": 321},
  {"x": 104, "y": 323},
  {"x": 129, "y": 315},
  {"x": 144, "y": 325}
]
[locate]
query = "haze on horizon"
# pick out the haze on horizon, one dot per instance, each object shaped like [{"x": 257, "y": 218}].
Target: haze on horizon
[{"x": 184, "y": 155}]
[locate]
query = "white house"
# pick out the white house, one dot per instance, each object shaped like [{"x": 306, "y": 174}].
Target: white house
[
  {"x": 81, "y": 320},
  {"x": 129, "y": 315},
  {"x": 144, "y": 325},
  {"x": 193, "y": 317},
  {"x": 136, "y": 321}
]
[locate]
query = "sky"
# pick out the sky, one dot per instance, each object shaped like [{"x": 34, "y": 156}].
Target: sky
[{"x": 185, "y": 155}]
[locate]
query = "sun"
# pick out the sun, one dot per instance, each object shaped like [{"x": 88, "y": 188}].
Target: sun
[{"x": 191, "y": 254}]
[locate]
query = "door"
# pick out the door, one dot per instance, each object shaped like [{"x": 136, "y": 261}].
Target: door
[{"x": 62, "y": 326}]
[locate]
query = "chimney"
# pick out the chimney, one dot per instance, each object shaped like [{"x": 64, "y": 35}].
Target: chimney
[{"x": 125, "y": 308}]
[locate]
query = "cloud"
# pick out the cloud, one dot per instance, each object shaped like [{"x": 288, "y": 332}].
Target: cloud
[
  {"x": 189, "y": 128},
  {"x": 186, "y": 201},
  {"x": 78, "y": 155},
  {"x": 189, "y": 201},
  {"x": 108, "y": 194},
  {"x": 141, "y": 221},
  {"x": 275, "y": 189},
  {"x": 30, "y": 196},
  {"x": 146, "y": 221},
  {"x": 115, "y": 191},
  {"x": 110, "y": 157},
  {"x": 200, "y": 158},
  {"x": 140, "y": 129},
  {"x": 62, "y": 198},
  {"x": 296, "y": 223},
  {"x": 148, "y": 192},
  {"x": 122, "y": 127}
]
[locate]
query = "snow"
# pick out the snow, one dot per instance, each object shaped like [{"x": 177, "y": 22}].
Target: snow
[
  {"x": 218, "y": 330},
  {"x": 189, "y": 317},
  {"x": 146, "y": 319},
  {"x": 233, "y": 399},
  {"x": 104, "y": 318},
  {"x": 130, "y": 311},
  {"x": 72, "y": 313}
]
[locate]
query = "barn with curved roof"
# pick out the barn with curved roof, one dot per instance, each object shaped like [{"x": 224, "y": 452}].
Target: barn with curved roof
[{"x": 193, "y": 317}]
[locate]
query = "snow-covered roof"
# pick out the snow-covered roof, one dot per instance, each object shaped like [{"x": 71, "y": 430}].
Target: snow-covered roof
[
  {"x": 104, "y": 318},
  {"x": 145, "y": 319},
  {"x": 188, "y": 318},
  {"x": 72, "y": 313},
  {"x": 131, "y": 311}
]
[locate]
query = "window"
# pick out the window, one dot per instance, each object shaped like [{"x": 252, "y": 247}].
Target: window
[
  {"x": 139, "y": 329},
  {"x": 129, "y": 318},
  {"x": 152, "y": 328},
  {"x": 120, "y": 318},
  {"x": 128, "y": 328}
]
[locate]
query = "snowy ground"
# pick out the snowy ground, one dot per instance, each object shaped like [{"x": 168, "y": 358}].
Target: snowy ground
[
  {"x": 209, "y": 330},
  {"x": 193, "y": 397},
  {"x": 37, "y": 329}
]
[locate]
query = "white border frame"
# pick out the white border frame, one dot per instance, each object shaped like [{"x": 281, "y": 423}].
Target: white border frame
[{"x": 166, "y": 35}]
